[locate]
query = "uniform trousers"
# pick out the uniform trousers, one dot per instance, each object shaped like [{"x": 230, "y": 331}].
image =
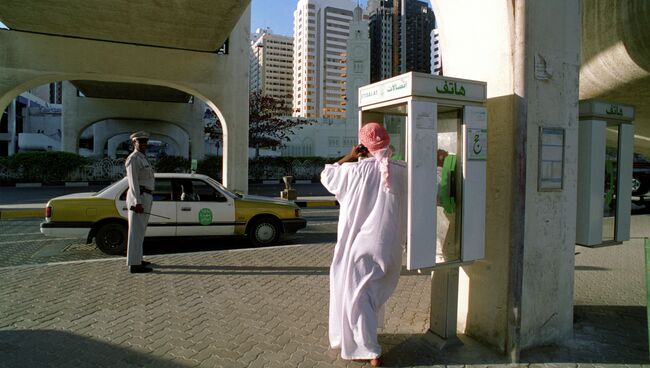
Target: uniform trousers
[{"x": 137, "y": 228}]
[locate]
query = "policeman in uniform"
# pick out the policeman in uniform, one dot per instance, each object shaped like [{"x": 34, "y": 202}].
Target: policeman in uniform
[{"x": 139, "y": 198}]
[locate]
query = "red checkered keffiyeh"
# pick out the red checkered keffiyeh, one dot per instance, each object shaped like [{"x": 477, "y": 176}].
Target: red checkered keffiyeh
[{"x": 376, "y": 139}]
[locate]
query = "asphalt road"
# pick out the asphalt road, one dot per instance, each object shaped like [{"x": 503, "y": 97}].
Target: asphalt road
[
  {"x": 20, "y": 195},
  {"x": 21, "y": 242}
]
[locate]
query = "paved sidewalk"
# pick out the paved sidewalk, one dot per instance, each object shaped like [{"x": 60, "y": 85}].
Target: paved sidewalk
[{"x": 264, "y": 308}]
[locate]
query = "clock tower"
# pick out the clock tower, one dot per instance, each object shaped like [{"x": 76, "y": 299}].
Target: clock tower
[{"x": 358, "y": 65}]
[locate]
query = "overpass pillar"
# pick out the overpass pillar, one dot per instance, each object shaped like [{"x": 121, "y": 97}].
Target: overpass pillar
[
  {"x": 528, "y": 52},
  {"x": 12, "y": 128},
  {"x": 70, "y": 121}
]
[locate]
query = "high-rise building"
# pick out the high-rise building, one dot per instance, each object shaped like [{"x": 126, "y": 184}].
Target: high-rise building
[
  {"x": 321, "y": 30},
  {"x": 396, "y": 49},
  {"x": 271, "y": 67}
]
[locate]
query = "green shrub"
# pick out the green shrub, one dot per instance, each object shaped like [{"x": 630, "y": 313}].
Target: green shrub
[
  {"x": 173, "y": 164},
  {"x": 44, "y": 167},
  {"x": 210, "y": 166}
]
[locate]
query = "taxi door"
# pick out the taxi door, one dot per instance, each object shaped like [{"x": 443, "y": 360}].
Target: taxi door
[
  {"x": 162, "y": 222},
  {"x": 202, "y": 210}
]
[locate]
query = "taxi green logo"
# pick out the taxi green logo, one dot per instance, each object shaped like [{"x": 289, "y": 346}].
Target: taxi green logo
[{"x": 205, "y": 216}]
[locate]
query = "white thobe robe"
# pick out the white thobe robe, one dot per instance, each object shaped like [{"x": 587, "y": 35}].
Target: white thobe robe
[{"x": 368, "y": 255}]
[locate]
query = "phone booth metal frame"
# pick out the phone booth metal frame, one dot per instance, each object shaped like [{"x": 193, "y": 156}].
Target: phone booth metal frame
[
  {"x": 604, "y": 177},
  {"x": 420, "y": 98}
]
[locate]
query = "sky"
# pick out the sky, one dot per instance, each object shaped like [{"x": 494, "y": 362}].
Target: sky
[{"x": 277, "y": 14}]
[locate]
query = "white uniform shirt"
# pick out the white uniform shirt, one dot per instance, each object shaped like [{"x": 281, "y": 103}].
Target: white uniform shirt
[{"x": 139, "y": 173}]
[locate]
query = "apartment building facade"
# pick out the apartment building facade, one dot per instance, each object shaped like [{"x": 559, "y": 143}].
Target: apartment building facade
[
  {"x": 271, "y": 66},
  {"x": 321, "y": 31}
]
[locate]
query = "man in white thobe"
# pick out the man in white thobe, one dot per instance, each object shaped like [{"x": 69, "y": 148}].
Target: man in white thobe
[
  {"x": 368, "y": 254},
  {"x": 139, "y": 199}
]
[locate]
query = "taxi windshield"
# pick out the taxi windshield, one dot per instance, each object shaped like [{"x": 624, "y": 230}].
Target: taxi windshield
[
  {"x": 224, "y": 189},
  {"x": 107, "y": 188}
]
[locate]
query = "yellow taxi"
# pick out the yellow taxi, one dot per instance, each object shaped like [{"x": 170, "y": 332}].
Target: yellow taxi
[{"x": 184, "y": 205}]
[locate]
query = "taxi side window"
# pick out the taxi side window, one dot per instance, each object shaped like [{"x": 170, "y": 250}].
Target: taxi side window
[
  {"x": 206, "y": 192},
  {"x": 163, "y": 191}
]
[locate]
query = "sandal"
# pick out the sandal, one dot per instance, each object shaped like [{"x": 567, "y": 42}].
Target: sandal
[{"x": 374, "y": 362}]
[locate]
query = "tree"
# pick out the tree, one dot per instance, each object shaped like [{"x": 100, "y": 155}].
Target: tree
[{"x": 269, "y": 123}]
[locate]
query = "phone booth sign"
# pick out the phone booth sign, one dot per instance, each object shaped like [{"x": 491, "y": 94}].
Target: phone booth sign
[{"x": 438, "y": 126}]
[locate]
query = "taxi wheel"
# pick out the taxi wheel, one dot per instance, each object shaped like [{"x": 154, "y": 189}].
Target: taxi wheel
[
  {"x": 111, "y": 238},
  {"x": 264, "y": 231}
]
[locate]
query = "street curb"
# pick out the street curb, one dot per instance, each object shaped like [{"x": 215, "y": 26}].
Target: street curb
[
  {"x": 16, "y": 213},
  {"x": 89, "y": 183},
  {"x": 317, "y": 203}
]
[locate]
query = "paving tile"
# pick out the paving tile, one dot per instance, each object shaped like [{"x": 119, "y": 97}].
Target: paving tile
[{"x": 268, "y": 308}]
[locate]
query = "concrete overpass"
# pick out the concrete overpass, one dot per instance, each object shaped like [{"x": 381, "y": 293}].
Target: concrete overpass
[{"x": 147, "y": 50}]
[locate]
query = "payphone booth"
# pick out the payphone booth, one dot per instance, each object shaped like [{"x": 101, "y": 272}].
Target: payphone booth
[
  {"x": 605, "y": 172},
  {"x": 438, "y": 126}
]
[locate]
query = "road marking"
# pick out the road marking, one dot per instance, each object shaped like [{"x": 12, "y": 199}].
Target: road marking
[
  {"x": 323, "y": 223},
  {"x": 22, "y": 234},
  {"x": 35, "y": 240}
]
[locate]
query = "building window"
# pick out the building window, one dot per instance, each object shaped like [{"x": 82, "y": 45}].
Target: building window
[{"x": 333, "y": 141}]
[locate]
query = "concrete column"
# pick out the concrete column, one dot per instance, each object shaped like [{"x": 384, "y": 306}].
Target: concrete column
[
  {"x": 113, "y": 142},
  {"x": 230, "y": 98},
  {"x": 70, "y": 119},
  {"x": 13, "y": 135},
  {"x": 196, "y": 132},
  {"x": 99, "y": 141},
  {"x": 528, "y": 52}
]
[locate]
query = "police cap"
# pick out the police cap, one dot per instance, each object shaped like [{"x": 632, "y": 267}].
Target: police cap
[{"x": 140, "y": 135}]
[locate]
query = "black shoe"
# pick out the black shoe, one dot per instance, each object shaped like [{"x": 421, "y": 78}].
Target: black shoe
[
  {"x": 140, "y": 269},
  {"x": 145, "y": 263}
]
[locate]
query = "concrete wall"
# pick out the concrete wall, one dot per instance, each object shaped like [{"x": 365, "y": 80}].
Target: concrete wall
[
  {"x": 520, "y": 295},
  {"x": 29, "y": 60}
]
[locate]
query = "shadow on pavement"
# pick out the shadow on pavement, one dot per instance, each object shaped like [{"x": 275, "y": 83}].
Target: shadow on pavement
[
  {"x": 240, "y": 270},
  {"x": 177, "y": 245},
  {"x": 49, "y": 348},
  {"x": 601, "y": 335},
  {"x": 420, "y": 350}
]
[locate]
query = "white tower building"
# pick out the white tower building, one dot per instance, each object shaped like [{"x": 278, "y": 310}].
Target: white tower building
[
  {"x": 321, "y": 30},
  {"x": 436, "y": 58},
  {"x": 271, "y": 67},
  {"x": 358, "y": 64}
]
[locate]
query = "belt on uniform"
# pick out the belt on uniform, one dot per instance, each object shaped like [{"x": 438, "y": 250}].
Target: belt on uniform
[{"x": 145, "y": 190}]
